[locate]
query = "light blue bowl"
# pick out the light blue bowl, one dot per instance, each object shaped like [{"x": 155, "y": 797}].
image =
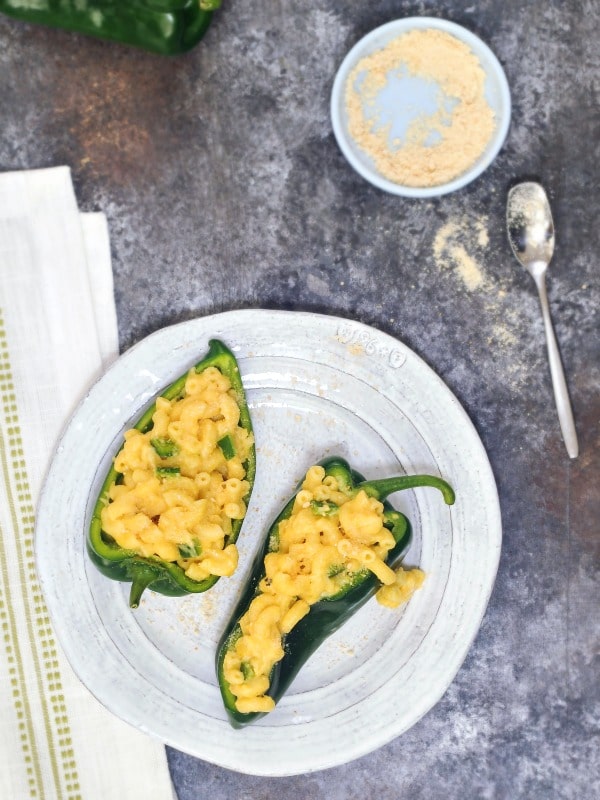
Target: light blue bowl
[{"x": 417, "y": 98}]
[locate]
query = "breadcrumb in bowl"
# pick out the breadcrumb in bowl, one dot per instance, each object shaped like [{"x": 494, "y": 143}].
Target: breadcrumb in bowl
[{"x": 420, "y": 107}]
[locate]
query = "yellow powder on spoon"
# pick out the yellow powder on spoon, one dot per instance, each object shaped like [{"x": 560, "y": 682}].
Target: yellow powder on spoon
[{"x": 438, "y": 147}]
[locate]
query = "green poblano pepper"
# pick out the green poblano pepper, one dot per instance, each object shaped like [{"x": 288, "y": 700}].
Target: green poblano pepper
[
  {"x": 330, "y": 613},
  {"x": 160, "y": 26},
  {"x": 161, "y": 576}
]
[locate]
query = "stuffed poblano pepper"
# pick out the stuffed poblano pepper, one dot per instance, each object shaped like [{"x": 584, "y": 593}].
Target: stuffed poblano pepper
[
  {"x": 172, "y": 505},
  {"x": 334, "y": 545},
  {"x": 161, "y": 26}
]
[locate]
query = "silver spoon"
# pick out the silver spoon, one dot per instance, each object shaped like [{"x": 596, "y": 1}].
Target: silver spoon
[{"x": 531, "y": 236}]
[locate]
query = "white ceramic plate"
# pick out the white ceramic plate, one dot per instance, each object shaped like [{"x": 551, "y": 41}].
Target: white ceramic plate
[
  {"x": 316, "y": 386},
  {"x": 414, "y": 103}
]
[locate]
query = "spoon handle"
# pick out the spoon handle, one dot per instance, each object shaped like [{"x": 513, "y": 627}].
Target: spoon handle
[{"x": 559, "y": 384}]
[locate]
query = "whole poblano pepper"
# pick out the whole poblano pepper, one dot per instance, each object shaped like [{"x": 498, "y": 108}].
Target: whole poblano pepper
[{"x": 160, "y": 26}]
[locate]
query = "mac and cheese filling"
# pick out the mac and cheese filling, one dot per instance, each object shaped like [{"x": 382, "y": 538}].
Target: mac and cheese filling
[
  {"x": 183, "y": 481},
  {"x": 328, "y": 538}
]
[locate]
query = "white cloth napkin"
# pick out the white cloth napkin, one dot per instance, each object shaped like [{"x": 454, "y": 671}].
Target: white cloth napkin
[{"x": 57, "y": 331}]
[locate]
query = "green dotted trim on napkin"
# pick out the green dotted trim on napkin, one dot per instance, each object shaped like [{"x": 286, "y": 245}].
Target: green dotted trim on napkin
[{"x": 41, "y": 638}]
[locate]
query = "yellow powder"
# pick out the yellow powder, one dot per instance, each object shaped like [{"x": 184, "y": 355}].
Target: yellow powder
[
  {"x": 502, "y": 336},
  {"x": 458, "y": 244},
  {"x": 462, "y": 132},
  {"x": 467, "y": 267},
  {"x": 483, "y": 238}
]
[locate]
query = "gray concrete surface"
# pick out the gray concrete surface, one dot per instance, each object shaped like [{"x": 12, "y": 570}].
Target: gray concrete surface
[{"x": 224, "y": 188}]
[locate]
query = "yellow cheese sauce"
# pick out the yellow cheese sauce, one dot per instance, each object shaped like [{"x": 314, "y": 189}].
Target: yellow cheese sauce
[
  {"x": 179, "y": 492},
  {"x": 326, "y": 540}
]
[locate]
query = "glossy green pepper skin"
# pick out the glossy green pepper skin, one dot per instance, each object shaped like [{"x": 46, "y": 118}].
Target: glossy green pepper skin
[
  {"x": 167, "y": 27},
  {"x": 161, "y": 576},
  {"x": 327, "y": 615}
]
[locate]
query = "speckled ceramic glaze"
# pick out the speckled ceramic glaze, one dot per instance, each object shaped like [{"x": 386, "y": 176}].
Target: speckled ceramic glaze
[{"x": 316, "y": 386}]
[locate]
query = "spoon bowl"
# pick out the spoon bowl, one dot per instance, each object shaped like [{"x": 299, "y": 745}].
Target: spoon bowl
[
  {"x": 530, "y": 226},
  {"x": 531, "y": 235}
]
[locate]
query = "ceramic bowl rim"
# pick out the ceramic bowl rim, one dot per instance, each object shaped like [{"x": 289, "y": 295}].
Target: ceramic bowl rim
[{"x": 489, "y": 62}]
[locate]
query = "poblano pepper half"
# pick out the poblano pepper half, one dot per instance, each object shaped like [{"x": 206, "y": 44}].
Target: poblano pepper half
[
  {"x": 329, "y": 613},
  {"x": 168, "y": 577},
  {"x": 160, "y": 26}
]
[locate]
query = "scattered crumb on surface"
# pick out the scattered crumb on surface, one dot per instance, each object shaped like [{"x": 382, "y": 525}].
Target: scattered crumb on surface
[
  {"x": 194, "y": 612},
  {"x": 460, "y": 245},
  {"x": 468, "y": 269}
]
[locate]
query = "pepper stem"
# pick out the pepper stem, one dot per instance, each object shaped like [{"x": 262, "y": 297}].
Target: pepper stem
[
  {"x": 142, "y": 577},
  {"x": 382, "y": 488}
]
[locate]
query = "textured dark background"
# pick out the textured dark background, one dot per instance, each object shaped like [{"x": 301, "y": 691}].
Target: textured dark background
[{"x": 224, "y": 188}]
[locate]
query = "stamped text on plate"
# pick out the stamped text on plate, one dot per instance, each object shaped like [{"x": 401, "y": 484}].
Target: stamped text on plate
[{"x": 369, "y": 345}]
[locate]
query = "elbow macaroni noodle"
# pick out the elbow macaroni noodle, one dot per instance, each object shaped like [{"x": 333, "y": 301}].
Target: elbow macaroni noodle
[
  {"x": 316, "y": 556},
  {"x": 179, "y": 493}
]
